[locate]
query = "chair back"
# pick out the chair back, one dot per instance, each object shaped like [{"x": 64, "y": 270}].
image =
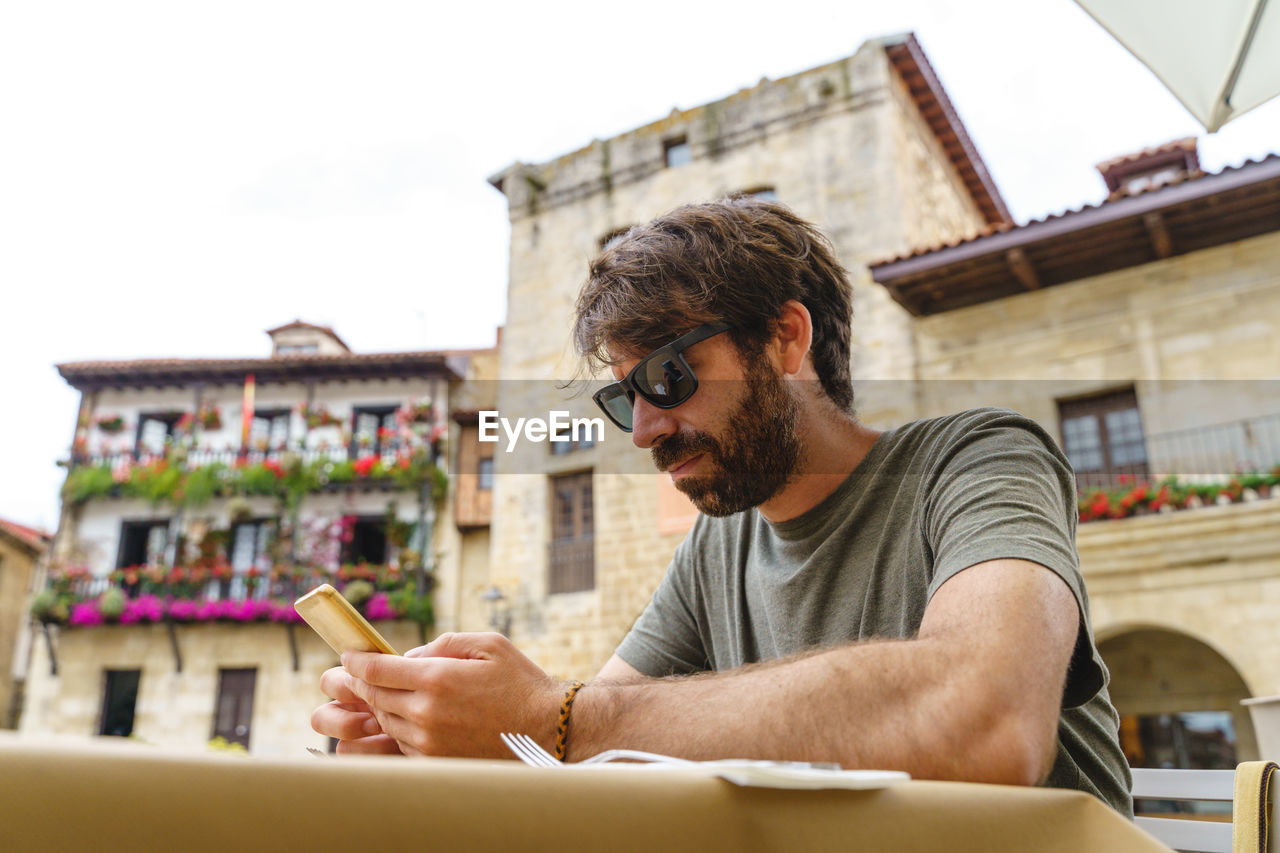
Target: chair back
[
  {"x": 1186, "y": 786},
  {"x": 1247, "y": 788}
]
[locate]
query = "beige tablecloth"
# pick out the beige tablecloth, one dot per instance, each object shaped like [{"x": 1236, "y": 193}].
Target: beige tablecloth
[{"x": 122, "y": 796}]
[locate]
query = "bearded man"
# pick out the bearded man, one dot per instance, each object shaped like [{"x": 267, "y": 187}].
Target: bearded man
[{"x": 908, "y": 599}]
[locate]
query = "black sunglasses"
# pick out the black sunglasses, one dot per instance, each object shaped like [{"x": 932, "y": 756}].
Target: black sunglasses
[{"x": 662, "y": 377}]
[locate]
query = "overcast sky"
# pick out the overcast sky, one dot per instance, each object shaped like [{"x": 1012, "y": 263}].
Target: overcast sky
[{"x": 175, "y": 178}]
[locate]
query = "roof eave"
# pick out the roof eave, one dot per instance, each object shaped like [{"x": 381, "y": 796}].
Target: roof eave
[{"x": 887, "y": 272}]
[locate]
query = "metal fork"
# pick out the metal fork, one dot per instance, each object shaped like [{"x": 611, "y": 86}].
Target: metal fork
[{"x": 530, "y": 752}]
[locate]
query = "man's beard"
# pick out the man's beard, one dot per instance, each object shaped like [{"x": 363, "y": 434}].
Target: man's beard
[{"x": 753, "y": 458}]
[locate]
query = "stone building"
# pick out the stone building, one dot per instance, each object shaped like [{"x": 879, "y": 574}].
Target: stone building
[
  {"x": 204, "y": 495},
  {"x": 21, "y": 549},
  {"x": 869, "y": 147},
  {"x": 1144, "y": 332},
  {"x": 1130, "y": 329}
]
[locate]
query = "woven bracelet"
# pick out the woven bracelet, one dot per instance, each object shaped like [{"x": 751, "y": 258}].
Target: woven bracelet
[{"x": 562, "y": 727}]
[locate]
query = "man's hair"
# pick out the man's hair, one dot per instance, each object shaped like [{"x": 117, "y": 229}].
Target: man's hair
[{"x": 734, "y": 261}]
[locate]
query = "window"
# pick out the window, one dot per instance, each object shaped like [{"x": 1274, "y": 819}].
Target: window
[
  {"x": 155, "y": 431},
  {"x": 119, "y": 699},
  {"x": 234, "y": 711},
  {"x": 142, "y": 543},
  {"x": 297, "y": 349},
  {"x": 485, "y": 471},
  {"x": 249, "y": 547},
  {"x": 677, "y": 152},
  {"x": 368, "y": 424},
  {"x": 368, "y": 542},
  {"x": 269, "y": 429},
  {"x": 572, "y": 550},
  {"x": 1103, "y": 438}
]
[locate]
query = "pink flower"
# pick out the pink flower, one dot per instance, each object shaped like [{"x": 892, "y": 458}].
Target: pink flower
[
  {"x": 183, "y": 610},
  {"x": 282, "y": 611},
  {"x": 379, "y": 607},
  {"x": 144, "y": 608},
  {"x": 86, "y": 614}
]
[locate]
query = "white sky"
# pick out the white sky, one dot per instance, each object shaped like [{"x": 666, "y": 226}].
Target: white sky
[{"x": 175, "y": 178}]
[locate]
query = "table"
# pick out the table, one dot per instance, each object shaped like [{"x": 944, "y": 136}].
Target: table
[{"x": 94, "y": 796}]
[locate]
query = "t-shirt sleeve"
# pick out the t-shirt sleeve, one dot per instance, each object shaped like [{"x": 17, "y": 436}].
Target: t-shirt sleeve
[
  {"x": 665, "y": 639},
  {"x": 1001, "y": 489}
]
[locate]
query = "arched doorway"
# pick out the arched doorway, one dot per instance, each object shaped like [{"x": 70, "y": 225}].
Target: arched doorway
[{"x": 1179, "y": 701}]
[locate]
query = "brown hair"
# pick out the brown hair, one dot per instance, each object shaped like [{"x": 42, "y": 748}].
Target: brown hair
[{"x": 734, "y": 261}]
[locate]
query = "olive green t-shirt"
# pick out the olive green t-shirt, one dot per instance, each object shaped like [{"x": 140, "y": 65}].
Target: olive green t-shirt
[{"x": 930, "y": 499}]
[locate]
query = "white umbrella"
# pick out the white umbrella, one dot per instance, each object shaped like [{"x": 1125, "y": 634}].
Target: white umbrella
[{"x": 1221, "y": 58}]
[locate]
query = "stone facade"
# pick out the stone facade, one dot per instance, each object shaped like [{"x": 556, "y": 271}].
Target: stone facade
[
  {"x": 176, "y": 708},
  {"x": 178, "y": 683},
  {"x": 1195, "y": 582},
  {"x": 1187, "y": 594},
  {"x": 844, "y": 146},
  {"x": 18, "y": 561}
]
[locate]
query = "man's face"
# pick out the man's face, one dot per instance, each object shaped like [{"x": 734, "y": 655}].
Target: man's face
[{"x": 734, "y": 444}]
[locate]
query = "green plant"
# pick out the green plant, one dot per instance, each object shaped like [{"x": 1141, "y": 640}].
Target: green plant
[
  {"x": 48, "y": 606},
  {"x": 358, "y": 592},
  {"x": 411, "y": 606},
  {"x": 204, "y": 483},
  {"x": 111, "y": 604},
  {"x": 156, "y": 481},
  {"x": 87, "y": 482},
  {"x": 261, "y": 479},
  {"x": 342, "y": 471}
]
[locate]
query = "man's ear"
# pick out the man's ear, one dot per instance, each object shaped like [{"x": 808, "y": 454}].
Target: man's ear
[{"x": 793, "y": 336}]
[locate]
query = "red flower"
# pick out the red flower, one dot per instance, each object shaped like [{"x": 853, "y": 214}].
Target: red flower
[
  {"x": 274, "y": 467},
  {"x": 363, "y": 466}
]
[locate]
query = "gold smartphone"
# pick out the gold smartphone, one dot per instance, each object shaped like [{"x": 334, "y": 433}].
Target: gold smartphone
[{"x": 338, "y": 623}]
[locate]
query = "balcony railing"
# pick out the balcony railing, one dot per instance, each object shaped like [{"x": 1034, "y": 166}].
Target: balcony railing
[
  {"x": 201, "y": 456},
  {"x": 185, "y": 595},
  {"x": 1208, "y": 455}
]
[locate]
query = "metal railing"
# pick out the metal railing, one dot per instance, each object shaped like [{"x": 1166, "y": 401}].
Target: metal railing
[
  {"x": 1207, "y": 455},
  {"x": 195, "y": 457},
  {"x": 237, "y": 586}
]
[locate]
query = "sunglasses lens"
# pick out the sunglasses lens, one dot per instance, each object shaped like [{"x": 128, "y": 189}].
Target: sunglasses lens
[
  {"x": 665, "y": 380},
  {"x": 616, "y": 403}
]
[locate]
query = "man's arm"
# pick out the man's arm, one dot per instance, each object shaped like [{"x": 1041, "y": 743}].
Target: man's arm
[{"x": 974, "y": 696}]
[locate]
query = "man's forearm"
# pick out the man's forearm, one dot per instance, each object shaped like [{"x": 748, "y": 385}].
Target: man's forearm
[{"x": 908, "y": 705}]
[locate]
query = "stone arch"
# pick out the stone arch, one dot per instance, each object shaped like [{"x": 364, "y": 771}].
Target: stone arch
[{"x": 1156, "y": 670}]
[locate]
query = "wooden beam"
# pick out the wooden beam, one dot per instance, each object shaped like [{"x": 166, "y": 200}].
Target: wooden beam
[
  {"x": 1158, "y": 234},
  {"x": 1022, "y": 269}
]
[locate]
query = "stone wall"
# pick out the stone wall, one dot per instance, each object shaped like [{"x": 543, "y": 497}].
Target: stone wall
[
  {"x": 1208, "y": 576},
  {"x": 839, "y": 144},
  {"x": 177, "y": 708},
  {"x": 17, "y": 568}
]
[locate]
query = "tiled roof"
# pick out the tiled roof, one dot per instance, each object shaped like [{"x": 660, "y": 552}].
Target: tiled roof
[
  {"x": 1186, "y": 144},
  {"x": 180, "y": 371},
  {"x": 36, "y": 539},
  {"x": 1004, "y": 228},
  {"x": 1188, "y": 213},
  {"x": 909, "y": 60},
  {"x": 299, "y": 324}
]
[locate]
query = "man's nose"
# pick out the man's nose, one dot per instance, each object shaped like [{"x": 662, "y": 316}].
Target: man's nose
[{"x": 649, "y": 424}]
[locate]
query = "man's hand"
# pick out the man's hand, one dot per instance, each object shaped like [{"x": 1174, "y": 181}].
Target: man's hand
[{"x": 452, "y": 696}]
